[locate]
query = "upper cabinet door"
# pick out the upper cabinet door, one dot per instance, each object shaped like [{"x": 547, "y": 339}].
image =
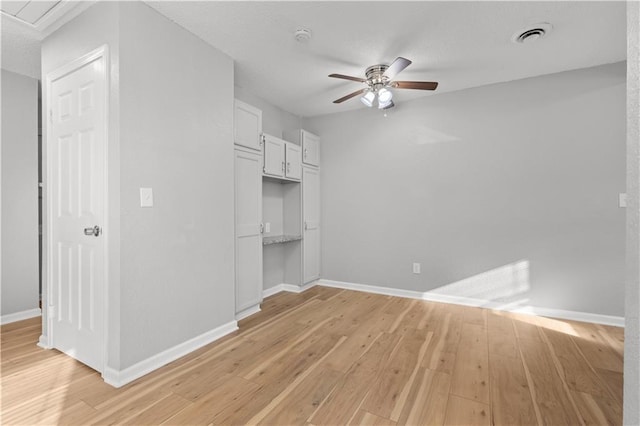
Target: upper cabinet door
[
  {"x": 247, "y": 125},
  {"x": 274, "y": 164},
  {"x": 310, "y": 148},
  {"x": 293, "y": 157}
]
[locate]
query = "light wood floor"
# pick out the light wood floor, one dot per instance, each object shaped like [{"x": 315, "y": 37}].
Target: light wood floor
[{"x": 336, "y": 357}]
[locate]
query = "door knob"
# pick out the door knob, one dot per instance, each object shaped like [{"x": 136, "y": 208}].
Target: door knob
[{"x": 95, "y": 231}]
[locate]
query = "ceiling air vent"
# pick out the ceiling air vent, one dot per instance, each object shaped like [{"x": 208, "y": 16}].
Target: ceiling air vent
[
  {"x": 302, "y": 35},
  {"x": 532, "y": 33}
]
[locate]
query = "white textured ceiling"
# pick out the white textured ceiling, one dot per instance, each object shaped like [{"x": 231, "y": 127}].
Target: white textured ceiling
[
  {"x": 458, "y": 44},
  {"x": 25, "y": 23},
  {"x": 20, "y": 48},
  {"x": 28, "y": 11}
]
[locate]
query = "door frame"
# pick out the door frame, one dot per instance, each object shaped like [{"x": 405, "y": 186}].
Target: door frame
[{"x": 46, "y": 340}]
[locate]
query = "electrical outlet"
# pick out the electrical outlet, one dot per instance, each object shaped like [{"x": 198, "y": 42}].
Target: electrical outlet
[
  {"x": 416, "y": 268},
  {"x": 267, "y": 227}
]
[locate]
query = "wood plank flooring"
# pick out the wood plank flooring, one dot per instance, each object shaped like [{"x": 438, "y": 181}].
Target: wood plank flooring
[{"x": 337, "y": 357}]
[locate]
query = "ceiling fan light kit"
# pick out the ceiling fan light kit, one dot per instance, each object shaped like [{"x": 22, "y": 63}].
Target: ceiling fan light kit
[
  {"x": 384, "y": 95},
  {"x": 368, "y": 98},
  {"x": 379, "y": 81}
]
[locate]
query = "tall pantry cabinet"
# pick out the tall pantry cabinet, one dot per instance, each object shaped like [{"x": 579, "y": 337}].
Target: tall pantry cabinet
[
  {"x": 248, "y": 208},
  {"x": 277, "y": 209},
  {"x": 310, "y": 144}
]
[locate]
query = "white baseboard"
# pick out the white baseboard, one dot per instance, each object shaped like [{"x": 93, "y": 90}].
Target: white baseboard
[
  {"x": 247, "y": 312},
  {"x": 272, "y": 290},
  {"x": 19, "y": 316},
  {"x": 291, "y": 288},
  {"x": 43, "y": 342},
  {"x": 458, "y": 300},
  {"x": 120, "y": 378}
]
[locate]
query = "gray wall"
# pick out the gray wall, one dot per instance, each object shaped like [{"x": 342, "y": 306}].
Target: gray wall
[
  {"x": 273, "y": 213},
  {"x": 177, "y": 265},
  {"x": 501, "y": 178},
  {"x": 632, "y": 296},
  {"x": 19, "y": 153}
]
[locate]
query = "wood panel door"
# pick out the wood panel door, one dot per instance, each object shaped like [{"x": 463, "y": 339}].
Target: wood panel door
[
  {"x": 76, "y": 152},
  {"x": 248, "y": 244},
  {"x": 311, "y": 218}
]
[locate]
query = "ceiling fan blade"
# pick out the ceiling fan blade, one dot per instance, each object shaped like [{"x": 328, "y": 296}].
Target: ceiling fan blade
[
  {"x": 349, "y": 96},
  {"x": 398, "y": 65},
  {"x": 347, "y": 77},
  {"x": 420, "y": 85}
]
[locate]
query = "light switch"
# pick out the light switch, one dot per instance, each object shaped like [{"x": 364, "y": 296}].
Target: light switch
[
  {"x": 267, "y": 227},
  {"x": 146, "y": 197},
  {"x": 622, "y": 200},
  {"x": 416, "y": 268}
]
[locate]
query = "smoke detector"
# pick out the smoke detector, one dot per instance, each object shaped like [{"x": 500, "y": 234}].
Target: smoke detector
[
  {"x": 302, "y": 35},
  {"x": 532, "y": 33}
]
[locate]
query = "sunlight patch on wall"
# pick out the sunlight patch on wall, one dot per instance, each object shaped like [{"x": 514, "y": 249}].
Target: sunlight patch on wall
[{"x": 499, "y": 284}]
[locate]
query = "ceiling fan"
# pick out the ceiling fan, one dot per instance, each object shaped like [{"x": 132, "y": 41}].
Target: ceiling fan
[{"x": 379, "y": 79}]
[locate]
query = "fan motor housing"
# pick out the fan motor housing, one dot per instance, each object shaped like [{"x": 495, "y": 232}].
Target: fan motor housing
[{"x": 375, "y": 75}]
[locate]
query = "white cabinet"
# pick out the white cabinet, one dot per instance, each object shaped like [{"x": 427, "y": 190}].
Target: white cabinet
[
  {"x": 311, "y": 222},
  {"x": 281, "y": 159},
  {"x": 293, "y": 158},
  {"x": 248, "y": 244},
  {"x": 310, "y": 148},
  {"x": 277, "y": 183},
  {"x": 274, "y": 163},
  {"x": 310, "y": 144},
  {"x": 247, "y": 125}
]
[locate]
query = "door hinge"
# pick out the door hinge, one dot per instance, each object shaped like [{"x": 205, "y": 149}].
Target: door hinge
[{"x": 262, "y": 140}]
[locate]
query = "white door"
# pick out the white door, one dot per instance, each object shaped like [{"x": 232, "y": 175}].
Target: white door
[
  {"x": 311, "y": 216},
  {"x": 273, "y": 156},
  {"x": 293, "y": 156},
  {"x": 76, "y": 172},
  {"x": 310, "y": 148},
  {"x": 247, "y": 125},
  {"x": 248, "y": 212}
]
